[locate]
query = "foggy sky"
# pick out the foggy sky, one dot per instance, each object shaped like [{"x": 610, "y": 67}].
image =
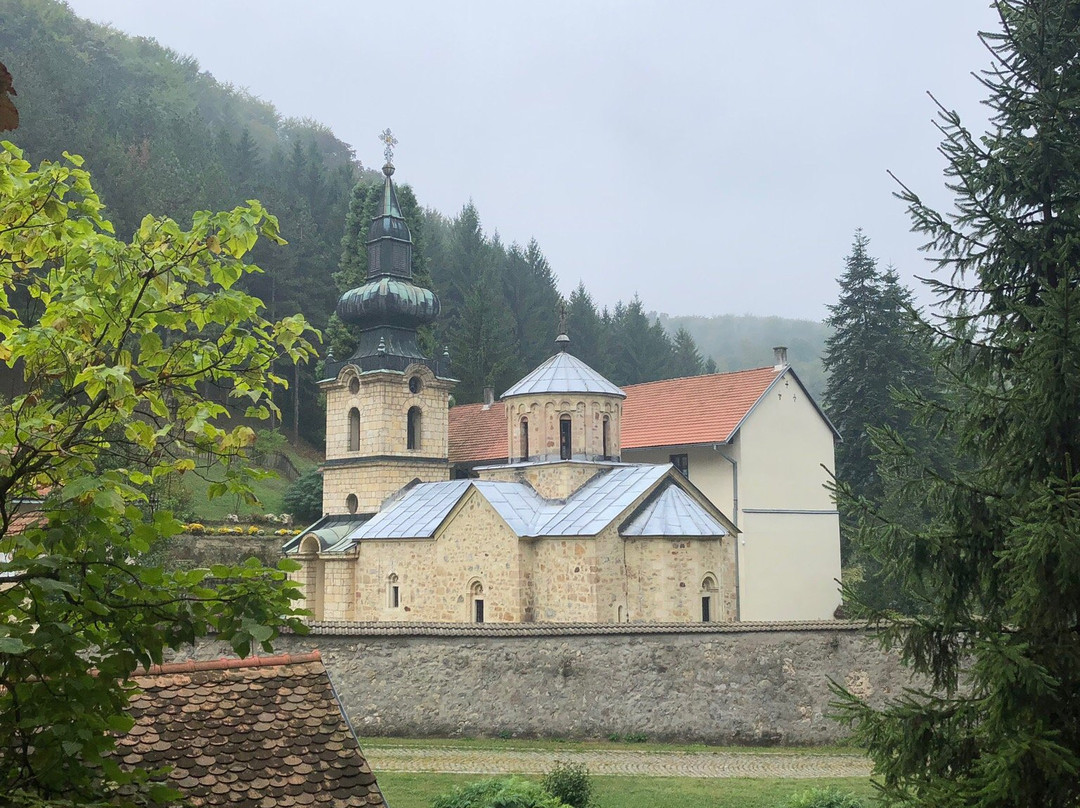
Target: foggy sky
[{"x": 714, "y": 157}]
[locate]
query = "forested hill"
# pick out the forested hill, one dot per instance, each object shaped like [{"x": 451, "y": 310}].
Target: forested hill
[{"x": 160, "y": 136}]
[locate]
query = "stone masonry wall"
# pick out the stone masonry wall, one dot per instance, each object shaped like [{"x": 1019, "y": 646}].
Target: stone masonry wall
[{"x": 741, "y": 684}]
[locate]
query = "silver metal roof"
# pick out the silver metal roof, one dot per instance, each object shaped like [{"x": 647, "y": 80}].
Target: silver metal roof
[
  {"x": 564, "y": 373},
  {"x": 673, "y": 512},
  {"x": 596, "y": 504},
  {"x": 416, "y": 513},
  {"x": 419, "y": 510}
]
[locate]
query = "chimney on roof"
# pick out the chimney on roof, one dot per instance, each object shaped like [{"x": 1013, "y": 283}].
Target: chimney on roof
[
  {"x": 780, "y": 357},
  {"x": 489, "y": 397}
]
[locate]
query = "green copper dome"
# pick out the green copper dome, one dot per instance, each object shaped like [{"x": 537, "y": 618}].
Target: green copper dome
[
  {"x": 389, "y": 301},
  {"x": 389, "y": 307}
]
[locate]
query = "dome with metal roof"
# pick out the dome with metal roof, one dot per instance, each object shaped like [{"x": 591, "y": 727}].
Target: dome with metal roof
[{"x": 564, "y": 373}]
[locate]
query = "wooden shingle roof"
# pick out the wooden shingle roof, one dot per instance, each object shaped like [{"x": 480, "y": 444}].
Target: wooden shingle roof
[{"x": 264, "y": 731}]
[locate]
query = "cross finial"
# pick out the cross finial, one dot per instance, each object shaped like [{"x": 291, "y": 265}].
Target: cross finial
[
  {"x": 387, "y": 137},
  {"x": 562, "y": 340}
]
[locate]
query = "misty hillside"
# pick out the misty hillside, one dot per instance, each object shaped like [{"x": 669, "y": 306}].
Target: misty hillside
[{"x": 738, "y": 341}]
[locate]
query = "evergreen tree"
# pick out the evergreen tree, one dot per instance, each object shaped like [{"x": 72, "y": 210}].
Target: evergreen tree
[
  {"x": 871, "y": 354},
  {"x": 585, "y": 329},
  {"x": 482, "y": 344},
  {"x": 997, "y": 569},
  {"x": 686, "y": 357},
  {"x": 641, "y": 351},
  {"x": 533, "y": 299}
]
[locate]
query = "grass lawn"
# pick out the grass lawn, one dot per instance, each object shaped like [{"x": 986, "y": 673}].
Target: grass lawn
[{"x": 407, "y": 790}]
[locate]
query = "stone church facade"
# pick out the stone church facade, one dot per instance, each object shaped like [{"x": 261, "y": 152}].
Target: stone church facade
[{"x": 562, "y": 530}]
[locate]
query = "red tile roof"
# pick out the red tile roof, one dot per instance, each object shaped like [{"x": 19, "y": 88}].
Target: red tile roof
[
  {"x": 695, "y": 409},
  {"x": 266, "y": 731},
  {"x": 673, "y": 412},
  {"x": 478, "y": 434}
]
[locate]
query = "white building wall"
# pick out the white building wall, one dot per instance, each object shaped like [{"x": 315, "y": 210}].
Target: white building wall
[{"x": 789, "y": 551}]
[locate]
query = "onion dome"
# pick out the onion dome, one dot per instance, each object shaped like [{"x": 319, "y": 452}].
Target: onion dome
[{"x": 389, "y": 307}]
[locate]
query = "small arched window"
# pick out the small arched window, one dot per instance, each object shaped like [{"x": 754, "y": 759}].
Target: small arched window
[
  {"x": 354, "y": 430},
  {"x": 709, "y": 592},
  {"x": 606, "y": 428},
  {"x": 565, "y": 438},
  {"x": 476, "y": 601},
  {"x": 393, "y": 591},
  {"x": 354, "y": 385},
  {"x": 351, "y": 503},
  {"x": 412, "y": 438},
  {"x": 524, "y": 438}
]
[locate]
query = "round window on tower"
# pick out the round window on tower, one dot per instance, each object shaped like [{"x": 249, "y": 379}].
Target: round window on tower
[
  {"x": 414, "y": 385},
  {"x": 352, "y": 503},
  {"x": 354, "y": 385}
]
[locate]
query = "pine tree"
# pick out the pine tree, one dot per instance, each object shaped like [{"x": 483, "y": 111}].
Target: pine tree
[{"x": 996, "y": 721}]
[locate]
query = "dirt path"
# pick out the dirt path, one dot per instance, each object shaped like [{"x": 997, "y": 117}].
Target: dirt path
[{"x": 646, "y": 764}]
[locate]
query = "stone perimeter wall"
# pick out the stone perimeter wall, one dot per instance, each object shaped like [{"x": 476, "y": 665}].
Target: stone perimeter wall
[{"x": 746, "y": 684}]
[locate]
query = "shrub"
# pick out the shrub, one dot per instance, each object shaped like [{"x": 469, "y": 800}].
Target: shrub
[
  {"x": 498, "y": 792},
  {"x": 570, "y": 782},
  {"x": 823, "y": 798},
  {"x": 303, "y": 499}
]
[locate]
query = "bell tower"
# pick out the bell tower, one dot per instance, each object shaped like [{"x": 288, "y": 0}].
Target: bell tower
[{"x": 386, "y": 405}]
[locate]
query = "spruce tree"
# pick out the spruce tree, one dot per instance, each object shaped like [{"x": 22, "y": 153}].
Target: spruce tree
[
  {"x": 585, "y": 328},
  {"x": 687, "y": 359},
  {"x": 995, "y": 719},
  {"x": 872, "y": 354}
]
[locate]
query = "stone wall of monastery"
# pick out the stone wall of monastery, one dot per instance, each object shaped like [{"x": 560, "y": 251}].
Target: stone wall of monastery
[
  {"x": 434, "y": 576},
  {"x": 664, "y": 578},
  {"x": 382, "y": 401},
  {"x": 723, "y": 683},
  {"x": 587, "y": 414},
  {"x": 372, "y": 482}
]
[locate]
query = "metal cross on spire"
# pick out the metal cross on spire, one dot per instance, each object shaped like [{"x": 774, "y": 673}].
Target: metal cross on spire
[{"x": 387, "y": 137}]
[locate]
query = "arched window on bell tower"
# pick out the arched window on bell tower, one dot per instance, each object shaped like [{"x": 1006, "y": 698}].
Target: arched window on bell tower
[
  {"x": 524, "y": 438},
  {"x": 412, "y": 438},
  {"x": 566, "y": 445},
  {"x": 606, "y": 426},
  {"x": 354, "y": 430}
]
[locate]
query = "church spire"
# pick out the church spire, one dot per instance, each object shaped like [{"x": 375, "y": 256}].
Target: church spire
[{"x": 389, "y": 307}]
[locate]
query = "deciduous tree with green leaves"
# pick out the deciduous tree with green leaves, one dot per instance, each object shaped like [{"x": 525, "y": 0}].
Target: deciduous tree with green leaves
[
  {"x": 996, "y": 720},
  {"x": 115, "y": 343}
]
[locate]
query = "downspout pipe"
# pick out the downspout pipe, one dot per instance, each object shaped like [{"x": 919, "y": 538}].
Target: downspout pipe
[{"x": 735, "y": 519}]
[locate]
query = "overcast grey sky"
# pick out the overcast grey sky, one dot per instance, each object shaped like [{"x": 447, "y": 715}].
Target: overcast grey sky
[{"x": 713, "y": 157}]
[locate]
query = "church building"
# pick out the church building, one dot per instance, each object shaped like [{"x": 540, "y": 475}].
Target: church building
[{"x": 560, "y": 529}]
